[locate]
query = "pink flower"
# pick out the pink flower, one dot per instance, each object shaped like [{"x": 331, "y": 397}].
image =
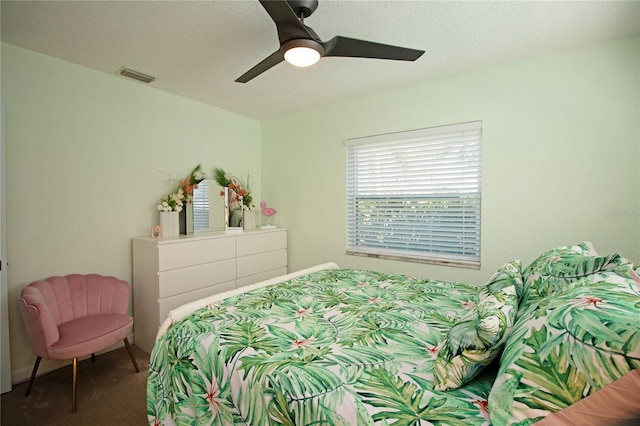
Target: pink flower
[
  {"x": 302, "y": 312},
  {"x": 300, "y": 343},
  {"x": 468, "y": 304},
  {"x": 483, "y": 405},
  {"x": 187, "y": 187},
  {"x": 432, "y": 350},
  {"x": 213, "y": 397},
  {"x": 212, "y": 394},
  {"x": 586, "y": 301}
]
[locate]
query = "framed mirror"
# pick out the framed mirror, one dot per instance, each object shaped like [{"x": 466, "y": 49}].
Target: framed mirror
[
  {"x": 214, "y": 209},
  {"x": 200, "y": 207},
  {"x": 233, "y": 209}
]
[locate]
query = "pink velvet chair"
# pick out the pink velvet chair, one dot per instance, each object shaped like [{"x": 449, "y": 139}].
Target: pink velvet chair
[{"x": 74, "y": 316}]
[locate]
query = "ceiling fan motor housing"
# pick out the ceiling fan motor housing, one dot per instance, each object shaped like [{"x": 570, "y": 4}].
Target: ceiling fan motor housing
[
  {"x": 302, "y": 42},
  {"x": 303, "y": 8}
]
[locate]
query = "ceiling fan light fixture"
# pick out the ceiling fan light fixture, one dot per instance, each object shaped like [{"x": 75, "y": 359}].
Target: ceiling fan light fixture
[
  {"x": 302, "y": 56},
  {"x": 302, "y": 53}
]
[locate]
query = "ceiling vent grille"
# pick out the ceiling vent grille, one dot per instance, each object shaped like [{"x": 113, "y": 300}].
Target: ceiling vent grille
[{"x": 136, "y": 75}]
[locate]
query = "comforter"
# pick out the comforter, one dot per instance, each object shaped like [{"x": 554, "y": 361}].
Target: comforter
[
  {"x": 336, "y": 347},
  {"x": 349, "y": 347}
]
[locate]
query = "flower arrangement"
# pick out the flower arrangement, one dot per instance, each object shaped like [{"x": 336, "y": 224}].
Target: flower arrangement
[
  {"x": 241, "y": 187},
  {"x": 172, "y": 202},
  {"x": 188, "y": 184},
  {"x": 183, "y": 192}
]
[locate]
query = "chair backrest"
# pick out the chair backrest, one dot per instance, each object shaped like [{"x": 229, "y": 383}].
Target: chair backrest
[{"x": 48, "y": 303}]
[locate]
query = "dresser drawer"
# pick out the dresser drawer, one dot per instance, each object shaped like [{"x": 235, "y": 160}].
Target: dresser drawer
[
  {"x": 252, "y": 279},
  {"x": 194, "y": 252},
  {"x": 183, "y": 280},
  {"x": 166, "y": 305},
  {"x": 256, "y": 263},
  {"x": 250, "y": 243}
]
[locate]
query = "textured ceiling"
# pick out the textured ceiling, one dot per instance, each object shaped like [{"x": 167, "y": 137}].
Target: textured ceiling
[{"x": 196, "y": 49}]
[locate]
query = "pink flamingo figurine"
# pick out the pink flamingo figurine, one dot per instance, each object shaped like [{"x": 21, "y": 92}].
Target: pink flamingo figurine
[{"x": 267, "y": 211}]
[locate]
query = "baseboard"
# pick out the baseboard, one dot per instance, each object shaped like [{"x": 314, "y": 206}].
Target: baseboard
[{"x": 47, "y": 366}]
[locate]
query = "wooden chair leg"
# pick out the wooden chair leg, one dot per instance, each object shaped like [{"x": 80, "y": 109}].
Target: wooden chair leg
[
  {"x": 133, "y": 358},
  {"x": 73, "y": 391},
  {"x": 33, "y": 375}
]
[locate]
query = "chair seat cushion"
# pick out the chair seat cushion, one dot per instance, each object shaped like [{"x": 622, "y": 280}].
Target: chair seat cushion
[{"x": 90, "y": 334}]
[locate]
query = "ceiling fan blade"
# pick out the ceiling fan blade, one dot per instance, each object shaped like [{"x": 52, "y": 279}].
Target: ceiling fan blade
[
  {"x": 354, "y": 48},
  {"x": 288, "y": 24},
  {"x": 270, "y": 61}
]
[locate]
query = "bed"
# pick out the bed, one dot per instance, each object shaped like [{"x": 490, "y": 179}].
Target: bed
[{"x": 330, "y": 346}]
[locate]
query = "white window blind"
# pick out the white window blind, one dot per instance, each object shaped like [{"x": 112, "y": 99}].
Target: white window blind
[{"x": 416, "y": 195}]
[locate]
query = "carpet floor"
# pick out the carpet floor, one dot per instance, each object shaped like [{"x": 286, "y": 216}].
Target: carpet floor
[{"x": 109, "y": 392}]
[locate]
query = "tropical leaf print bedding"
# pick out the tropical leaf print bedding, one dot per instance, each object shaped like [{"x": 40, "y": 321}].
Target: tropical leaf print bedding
[
  {"x": 579, "y": 333},
  {"x": 338, "y": 347}
]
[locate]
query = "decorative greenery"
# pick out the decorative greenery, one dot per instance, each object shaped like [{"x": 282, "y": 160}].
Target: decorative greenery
[
  {"x": 183, "y": 192},
  {"x": 241, "y": 186}
]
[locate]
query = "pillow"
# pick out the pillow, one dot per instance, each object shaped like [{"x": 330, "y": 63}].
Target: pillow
[
  {"x": 554, "y": 277},
  {"x": 474, "y": 341},
  {"x": 507, "y": 275},
  {"x": 585, "y": 248},
  {"x": 568, "y": 347},
  {"x": 536, "y": 276}
]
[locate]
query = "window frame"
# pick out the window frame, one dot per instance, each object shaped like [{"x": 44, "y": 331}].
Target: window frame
[{"x": 447, "y": 195}]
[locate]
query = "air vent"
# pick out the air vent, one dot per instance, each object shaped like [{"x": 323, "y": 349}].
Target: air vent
[{"x": 136, "y": 75}]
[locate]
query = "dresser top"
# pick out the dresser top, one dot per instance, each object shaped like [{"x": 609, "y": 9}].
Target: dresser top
[{"x": 205, "y": 235}]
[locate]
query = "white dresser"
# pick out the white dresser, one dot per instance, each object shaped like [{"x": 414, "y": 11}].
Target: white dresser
[{"x": 171, "y": 271}]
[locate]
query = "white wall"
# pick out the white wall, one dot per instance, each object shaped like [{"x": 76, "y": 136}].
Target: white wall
[
  {"x": 86, "y": 152},
  {"x": 560, "y": 154}
]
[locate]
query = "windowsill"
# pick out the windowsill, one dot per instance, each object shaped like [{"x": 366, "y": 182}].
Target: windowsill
[{"x": 414, "y": 259}]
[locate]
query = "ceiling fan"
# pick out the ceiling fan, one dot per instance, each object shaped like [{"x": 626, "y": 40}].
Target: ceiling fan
[{"x": 301, "y": 46}]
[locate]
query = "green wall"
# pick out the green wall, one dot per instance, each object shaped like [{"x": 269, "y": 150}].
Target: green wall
[
  {"x": 88, "y": 156},
  {"x": 560, "y": 157}
]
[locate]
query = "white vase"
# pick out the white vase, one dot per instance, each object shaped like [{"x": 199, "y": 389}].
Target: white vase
[
  {"x": 249, "y": 219},
  {"x": 170, "y": 224}
]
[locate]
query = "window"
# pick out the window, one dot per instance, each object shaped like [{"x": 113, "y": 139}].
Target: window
[{"x": 415, "y": 195}]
